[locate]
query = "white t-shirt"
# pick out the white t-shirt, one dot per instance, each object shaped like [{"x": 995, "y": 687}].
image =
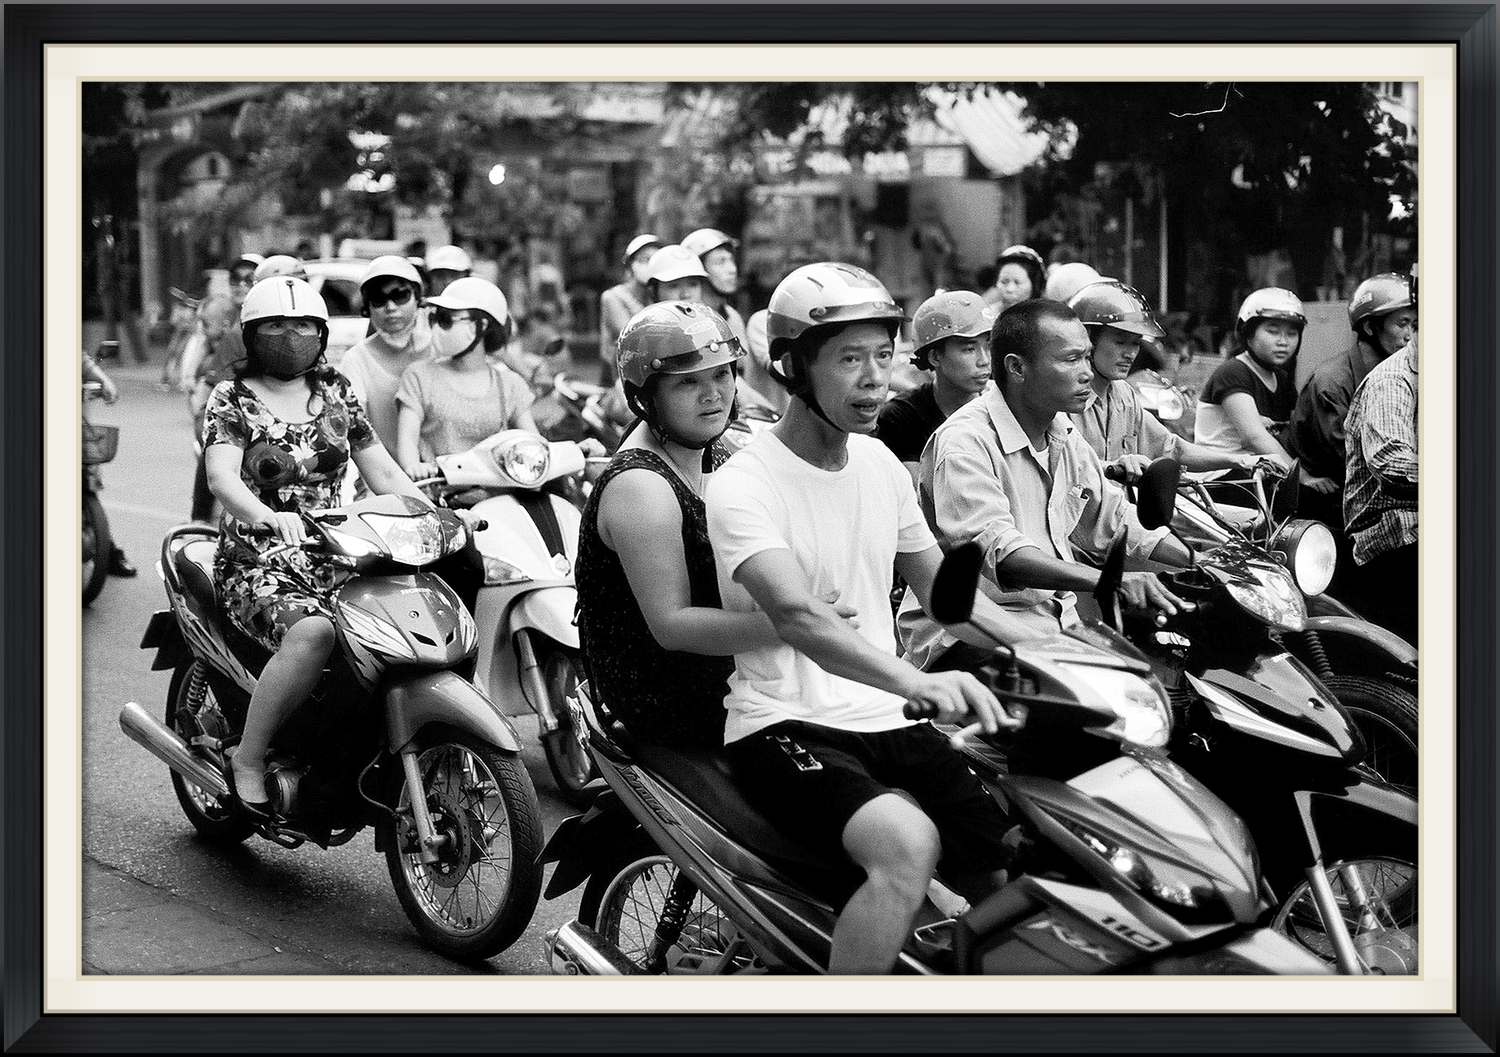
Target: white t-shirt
[{"x": 844, "y": 528}]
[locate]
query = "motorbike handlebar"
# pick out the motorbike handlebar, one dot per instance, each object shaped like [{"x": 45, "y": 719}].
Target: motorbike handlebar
[{"x": 1114, "y": 473}]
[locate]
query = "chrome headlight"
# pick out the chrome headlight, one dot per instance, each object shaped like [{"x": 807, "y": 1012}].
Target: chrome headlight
[
  {"x": 1165, "y": 883},
  {"x": 410, "y": 540},
  {"x": 526, "y": 461},
  {"x": 1310, "y": 552},
  {"x": 1273, "y": 598},
  {"x": 1143, "y": 716},
  {"x": 352, "y": 545},
  {"x": 499, "y": 573}
]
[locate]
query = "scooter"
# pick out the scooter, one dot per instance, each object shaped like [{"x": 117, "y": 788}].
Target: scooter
[
  {"x": 1125, "y": 866},
  {"x": 392, "y": 736},
  {"x": 1372, "y": 672},
  {"x": 99, "y": 446},
  {"x": 529, "y": 659},
  {"x": 1266, "y": 735}
]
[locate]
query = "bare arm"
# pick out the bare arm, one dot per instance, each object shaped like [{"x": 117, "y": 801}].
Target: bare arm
[
  {"x": 383, "y": 475},
  {"x": 408, "y": 437},
  {"x": 1243, "y": 415},
  {"x": 640, "y": 520}
]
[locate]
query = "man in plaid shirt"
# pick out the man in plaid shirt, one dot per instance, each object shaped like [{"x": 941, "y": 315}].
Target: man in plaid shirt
[{"x": 1380, "y": 497}]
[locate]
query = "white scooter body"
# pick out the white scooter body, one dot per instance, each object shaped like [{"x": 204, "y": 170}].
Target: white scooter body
[{"x": 529, "y": 547}]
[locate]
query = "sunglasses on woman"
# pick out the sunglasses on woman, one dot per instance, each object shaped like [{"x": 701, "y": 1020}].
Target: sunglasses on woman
[
  {"x": 444, "y": 318},
  {"x": 397, "y": 296}
]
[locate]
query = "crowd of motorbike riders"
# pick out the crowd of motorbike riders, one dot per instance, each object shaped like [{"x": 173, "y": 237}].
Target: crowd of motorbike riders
[{"x": 745, "y": 602}]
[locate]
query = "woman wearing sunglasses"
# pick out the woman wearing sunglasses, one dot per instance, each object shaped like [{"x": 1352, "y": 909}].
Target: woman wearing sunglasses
[
  {"x": 391, "y": 291},
  {"x": 455, "y": 399}
]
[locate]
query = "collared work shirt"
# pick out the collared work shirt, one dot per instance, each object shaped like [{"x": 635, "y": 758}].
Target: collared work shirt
[
  {"x": 1316, "y": 434},
  {"x": 980, "y": 480},
  {"x": 1118, "y": 424},
  {"x": 1380, "y": 498}
]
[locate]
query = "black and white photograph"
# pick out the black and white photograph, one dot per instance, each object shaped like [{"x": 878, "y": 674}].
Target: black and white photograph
[{"x": 840, "y": 530}]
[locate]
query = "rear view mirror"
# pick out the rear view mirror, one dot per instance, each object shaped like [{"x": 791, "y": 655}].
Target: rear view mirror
[
  {"x": 1284, "y": 499},
  {"x": 956, "y": 581},
  {"x": 1156, "y": 494}
]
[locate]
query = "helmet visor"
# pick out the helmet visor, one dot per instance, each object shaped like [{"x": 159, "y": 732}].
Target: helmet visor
[
  {"x": 714, "y": 354},
  {"x": 862, "y": 311},
  {"x": 1132, "y": 323}
]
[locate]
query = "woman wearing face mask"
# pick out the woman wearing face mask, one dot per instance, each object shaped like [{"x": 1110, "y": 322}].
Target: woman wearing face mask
[
  {"x": 391, "y": 291},
  {"x": 277, "y": 439},
  {"x": 454, "y": 400}
]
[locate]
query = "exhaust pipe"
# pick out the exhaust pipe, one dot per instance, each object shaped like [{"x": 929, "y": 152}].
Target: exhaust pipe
[
  {"x": 167, "y": 746},
  {"x": 575, "y": 949}
]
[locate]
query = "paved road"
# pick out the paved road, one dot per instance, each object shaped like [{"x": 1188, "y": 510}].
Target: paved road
[{"x": 158, "y": 901}]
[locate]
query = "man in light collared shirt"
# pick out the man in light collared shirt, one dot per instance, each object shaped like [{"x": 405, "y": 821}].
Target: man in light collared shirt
[{"x": 1011, "y": 472}]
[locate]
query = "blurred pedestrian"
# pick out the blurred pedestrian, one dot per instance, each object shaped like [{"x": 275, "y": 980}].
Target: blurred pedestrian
[
  {"x": 391, "y": 292},
  {"x": 619, "y": 304},
  {"x": 444, "y": 265},
  {"x": 1019, "y": 276},
  {"x": 223, "y": 352}
]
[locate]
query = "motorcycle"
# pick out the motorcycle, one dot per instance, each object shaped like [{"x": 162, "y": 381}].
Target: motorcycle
[
  {"x": 1372, "y": 672},
  {"x": 1272, "y": 740},
  {"x": 1128, "y": 865},
  {"x": 99, "y": 446},
  {"x": 529, "y": 659},
  {"x": 392, "y": 736}
]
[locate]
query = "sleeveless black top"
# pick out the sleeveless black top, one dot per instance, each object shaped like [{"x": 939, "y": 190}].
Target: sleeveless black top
[{"x": 667, "y": 696}]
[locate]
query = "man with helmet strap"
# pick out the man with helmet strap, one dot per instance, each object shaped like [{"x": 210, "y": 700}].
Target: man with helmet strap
[
  {"x": 814, "y": 505},
  {"x": 391, "y": 293},
  {"x": 1115, "y": 423},
  {"x": 952, "y": 334},
  {"x": 1383, "y": 318},
  {"x": 716, "y": 251},
  {"x": 619, "y": 304}
]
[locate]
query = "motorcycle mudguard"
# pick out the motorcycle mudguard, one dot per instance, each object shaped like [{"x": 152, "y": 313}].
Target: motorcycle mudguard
[
  {"x": 549, "y": 612},
  {"x": 1363, "y": 819},
  {"x": 423, "y": 697},
  {"x": 165, "y": 637},
  {"x": 585, "y": 842},
  {"x": 1371, "y": 637}
]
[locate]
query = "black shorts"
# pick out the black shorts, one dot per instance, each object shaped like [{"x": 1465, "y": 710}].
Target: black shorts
[{"x": 810, "y": 780}]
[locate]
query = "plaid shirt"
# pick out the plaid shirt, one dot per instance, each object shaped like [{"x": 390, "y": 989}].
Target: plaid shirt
[{"x": 1380, "y": 497}]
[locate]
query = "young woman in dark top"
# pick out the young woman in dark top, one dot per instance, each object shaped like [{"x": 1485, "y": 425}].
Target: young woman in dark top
[{"x": 656, "y": 644}]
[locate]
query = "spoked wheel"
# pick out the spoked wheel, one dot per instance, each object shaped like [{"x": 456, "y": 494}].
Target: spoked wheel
[
  {"x": 569, "y": 761},
  {"x": 659, "y": 920},
  {"x": 1386, "y": 716},
  {"x": 1378, "y": 900},
  {"x": 478, "y": 897},
  {"x": 97, "y": 547},
  {"x": 193, "y": 712}
]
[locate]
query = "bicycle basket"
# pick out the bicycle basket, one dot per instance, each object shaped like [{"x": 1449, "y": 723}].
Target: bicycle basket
[{"x": 99, "y": 443}]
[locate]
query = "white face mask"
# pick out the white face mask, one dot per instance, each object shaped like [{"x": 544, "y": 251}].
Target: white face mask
[{"x": 452, "y": 342}]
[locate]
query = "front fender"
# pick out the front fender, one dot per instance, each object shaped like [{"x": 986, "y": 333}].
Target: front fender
[
  {"x": 548, "y": 610},
  {"x": 413, "y": 701},
  {"x": 1352, "y": 635},
  {"x": 1362, "y": 819}
]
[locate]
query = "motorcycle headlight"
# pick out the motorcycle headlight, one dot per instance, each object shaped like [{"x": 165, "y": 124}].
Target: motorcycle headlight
[
  {"x": 412, "y": 541},
  {"x": 1162, "y": 882},
  {"x": 353, "y": 546},
  {"x": 1273, "y": 598},
  {"x": 526, "y": 461},
  {"x": 1310, "y": 552},
  {"x": 498, "y": 573},
  {"x": 1143, "y": 716}
]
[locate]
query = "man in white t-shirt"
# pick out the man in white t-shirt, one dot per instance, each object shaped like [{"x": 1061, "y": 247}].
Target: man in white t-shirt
[{"x": 813, "y": 508}]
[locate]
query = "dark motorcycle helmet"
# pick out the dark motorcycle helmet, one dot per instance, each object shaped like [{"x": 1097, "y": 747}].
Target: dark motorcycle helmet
[{"x": 671, "y": 337}]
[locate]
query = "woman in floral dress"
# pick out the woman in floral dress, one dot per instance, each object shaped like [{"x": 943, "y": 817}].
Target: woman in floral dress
[{"x": 277, "y": 441}]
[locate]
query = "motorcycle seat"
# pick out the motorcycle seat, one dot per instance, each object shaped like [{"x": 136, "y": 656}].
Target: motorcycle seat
[
  {"x": 193, "y": 562},
  {"x": 707, "y": 778}
]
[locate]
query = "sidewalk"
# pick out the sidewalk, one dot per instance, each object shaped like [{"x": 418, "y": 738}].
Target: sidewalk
[{"x": 130, "y": 927}]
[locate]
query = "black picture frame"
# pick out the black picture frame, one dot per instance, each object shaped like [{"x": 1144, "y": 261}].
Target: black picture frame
[{"x": 1469, "y": 27}]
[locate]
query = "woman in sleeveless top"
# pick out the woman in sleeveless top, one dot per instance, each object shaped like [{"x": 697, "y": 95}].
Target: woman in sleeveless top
[{"x": 656, "y": 644}]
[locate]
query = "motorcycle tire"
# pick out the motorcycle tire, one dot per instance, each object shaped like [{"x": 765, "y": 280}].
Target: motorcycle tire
[
  {"x": 623, "y": 902},
  {"x": 214, "y": 822},
  {"x": 567, "y": 758},
  {"x": 97, "y": 547},
  {"x": 479, "y": 897},
  {"x": 1386, "y": 716},
  {"x": 1384, "y": 932}
]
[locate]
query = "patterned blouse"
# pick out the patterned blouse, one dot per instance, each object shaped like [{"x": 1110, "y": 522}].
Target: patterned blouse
[
  {"x": 667, "y": 696},
  {"x": 290, "y": 466}
]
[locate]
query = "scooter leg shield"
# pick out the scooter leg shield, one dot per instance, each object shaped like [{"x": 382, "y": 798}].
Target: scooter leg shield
[
  {"x": 549, "y": 611},
  {"x": 444, "y": 697}
]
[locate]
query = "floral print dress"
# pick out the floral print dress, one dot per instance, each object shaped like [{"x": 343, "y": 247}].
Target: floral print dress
[{"x": 290, "y": 466}]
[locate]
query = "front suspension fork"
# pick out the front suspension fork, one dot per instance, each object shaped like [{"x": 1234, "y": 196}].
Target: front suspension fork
[
  {"x": 534, "y": 686},
  {"x": 428, "y": 838}
]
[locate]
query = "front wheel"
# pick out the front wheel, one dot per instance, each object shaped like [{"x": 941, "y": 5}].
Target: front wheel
[
  {"x": 478, "y": 897},
  {"x": 1377, "y": 898},
  {"x": 567, "y": 758},
  {"x": 658, "y": 919},
  {"x": 1386, "y": 716},
  {"x": 97, "y": 547}
]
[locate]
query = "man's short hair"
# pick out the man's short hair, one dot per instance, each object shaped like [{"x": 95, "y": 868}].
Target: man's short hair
[{"x": 1019, "y": 331}]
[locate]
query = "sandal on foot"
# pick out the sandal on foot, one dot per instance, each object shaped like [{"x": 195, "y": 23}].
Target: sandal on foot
[{"x": 258, "y": 811}]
